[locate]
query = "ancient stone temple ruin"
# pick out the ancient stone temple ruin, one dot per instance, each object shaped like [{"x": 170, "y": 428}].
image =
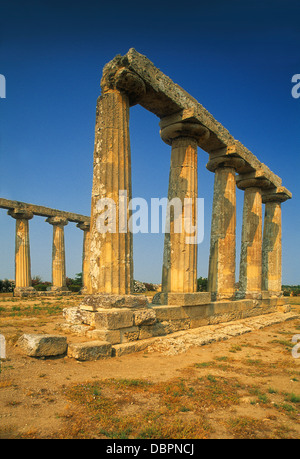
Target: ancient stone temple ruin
[{"x": 109, "y": 315}]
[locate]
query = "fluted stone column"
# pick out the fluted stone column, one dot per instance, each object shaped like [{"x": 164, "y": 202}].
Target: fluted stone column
[
  {"x": 85, "y": 227},
  {"x": 221, "y": 272},
  {"x": 111, "y": 257},
  {"x": 271, "y": 248},
  {"x": 22, "y": 252},
  {"x": 250, "y": 281},
  {"x": 58, "y": 254},
  {"x": 179, "y": 274}
]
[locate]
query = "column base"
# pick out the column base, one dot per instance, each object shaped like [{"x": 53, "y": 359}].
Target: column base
[
  {"x": 224, "y": 296},
  {"x": 249, "y": 295},
  {"x": 181, "y": 299},
  {"x": 24, "y": 291}
]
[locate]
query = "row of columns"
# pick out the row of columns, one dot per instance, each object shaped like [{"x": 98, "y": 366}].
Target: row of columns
[
  {"x": 22, "y": 252},
  {"x": 110, "y": 263},
  {"x": 260, "y": 260}
]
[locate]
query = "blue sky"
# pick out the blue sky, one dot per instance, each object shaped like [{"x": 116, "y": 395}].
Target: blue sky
[{"x": 237, "y": 58}]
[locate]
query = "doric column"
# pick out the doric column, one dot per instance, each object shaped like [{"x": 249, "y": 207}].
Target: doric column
[
  {"x": 111, "y": 257},
  {"x": 250, "y": 281},
  {"x": 58, "y": 253},
  {"x": 271, "y": 248},
  {"x": 221, "y": 272},
  {"x": 22, "y": 252},
  {"x": 85, "y": 227},
  {"x": 179, "y": 274}
]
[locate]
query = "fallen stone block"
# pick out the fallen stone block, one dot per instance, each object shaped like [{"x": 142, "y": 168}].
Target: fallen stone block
[
  {"x": 42, "y": 345},
  {"x": 92, "y": 350}
]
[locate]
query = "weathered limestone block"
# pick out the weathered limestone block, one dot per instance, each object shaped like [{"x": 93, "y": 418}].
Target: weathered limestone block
[
  {"x": 92, "y": 350},
  {"x": 129, "y": 334},
  {"x": 170, "y": 313},
  {"x": 111, "y": 336},
  {"x": 150, "y": 331},
  {"x": 74, "y": 329},
  {"x": 182, "y": 299},
  {"x": 144, "y": 317},
  {"x": 43, "y": 345},
  {"x": 75, "y": 315},
  {"x": 113, "y": 319},
  {"x": 128, "y": 348},
  {"x": 108, "y": 301}
]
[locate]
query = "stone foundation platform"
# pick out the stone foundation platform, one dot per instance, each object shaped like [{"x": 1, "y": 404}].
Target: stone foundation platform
[
  {"x": 131, "y": 320},
  {"x": 26, "y": 293}
]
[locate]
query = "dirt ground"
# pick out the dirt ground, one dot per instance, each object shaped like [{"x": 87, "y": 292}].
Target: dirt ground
[{"x": 244, "y": 387}]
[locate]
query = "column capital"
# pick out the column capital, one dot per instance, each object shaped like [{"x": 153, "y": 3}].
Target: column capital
[
  {"x": 61, "y": 221},
  {"x": 279, "y": 194},
  {"x": 84, "y": 226},
  {"x": 216, "y": 161},
  {"x": 116, "y": 76},
  {"x": 184, "y": 129},
  {"x": 256, "y": 179},
  {"x": 21, "y": 214}
]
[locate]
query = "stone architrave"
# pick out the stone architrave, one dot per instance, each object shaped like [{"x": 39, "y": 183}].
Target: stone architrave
[
  {"x": 58, "y": 253},
  {"x": 22, "y": 252},
  {"x": 271, "y": 247},
  {"x": 222, "y": 260},
  {"x": 85, "y": 227},
  {"x": 111, "y": 257},
  {"x": 250, "y": 281},
  {"x": 179, "y": 273}
]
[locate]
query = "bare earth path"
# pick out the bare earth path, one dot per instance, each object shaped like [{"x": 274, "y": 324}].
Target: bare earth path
[{"x": 247, "y": 386}]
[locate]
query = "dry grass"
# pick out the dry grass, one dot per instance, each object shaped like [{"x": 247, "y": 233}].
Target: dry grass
[{"x": 244, "y": 388}]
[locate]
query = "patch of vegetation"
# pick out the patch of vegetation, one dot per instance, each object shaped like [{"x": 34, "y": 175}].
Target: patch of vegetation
[{"x": 135, "y": 408}]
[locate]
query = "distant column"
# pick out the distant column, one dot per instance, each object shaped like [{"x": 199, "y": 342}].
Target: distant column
[
  {"x": 271, "y": 248},
  {"x": 58, "y": 253},
  {"x": 179, "y": 274},
  {"x": 250, "y": 281},
  {"x": 85, "y": 227},
  {"x": 221, "y": 272},
  {"x": 22, "y": 252}
]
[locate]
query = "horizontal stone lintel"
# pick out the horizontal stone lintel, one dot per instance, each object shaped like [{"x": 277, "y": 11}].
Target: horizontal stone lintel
[
  {"x": 42, "y": 211},
  {"x": 173, "y": 104}
]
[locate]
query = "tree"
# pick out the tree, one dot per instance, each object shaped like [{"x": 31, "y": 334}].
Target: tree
[{"x": 202, "y": 284}]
